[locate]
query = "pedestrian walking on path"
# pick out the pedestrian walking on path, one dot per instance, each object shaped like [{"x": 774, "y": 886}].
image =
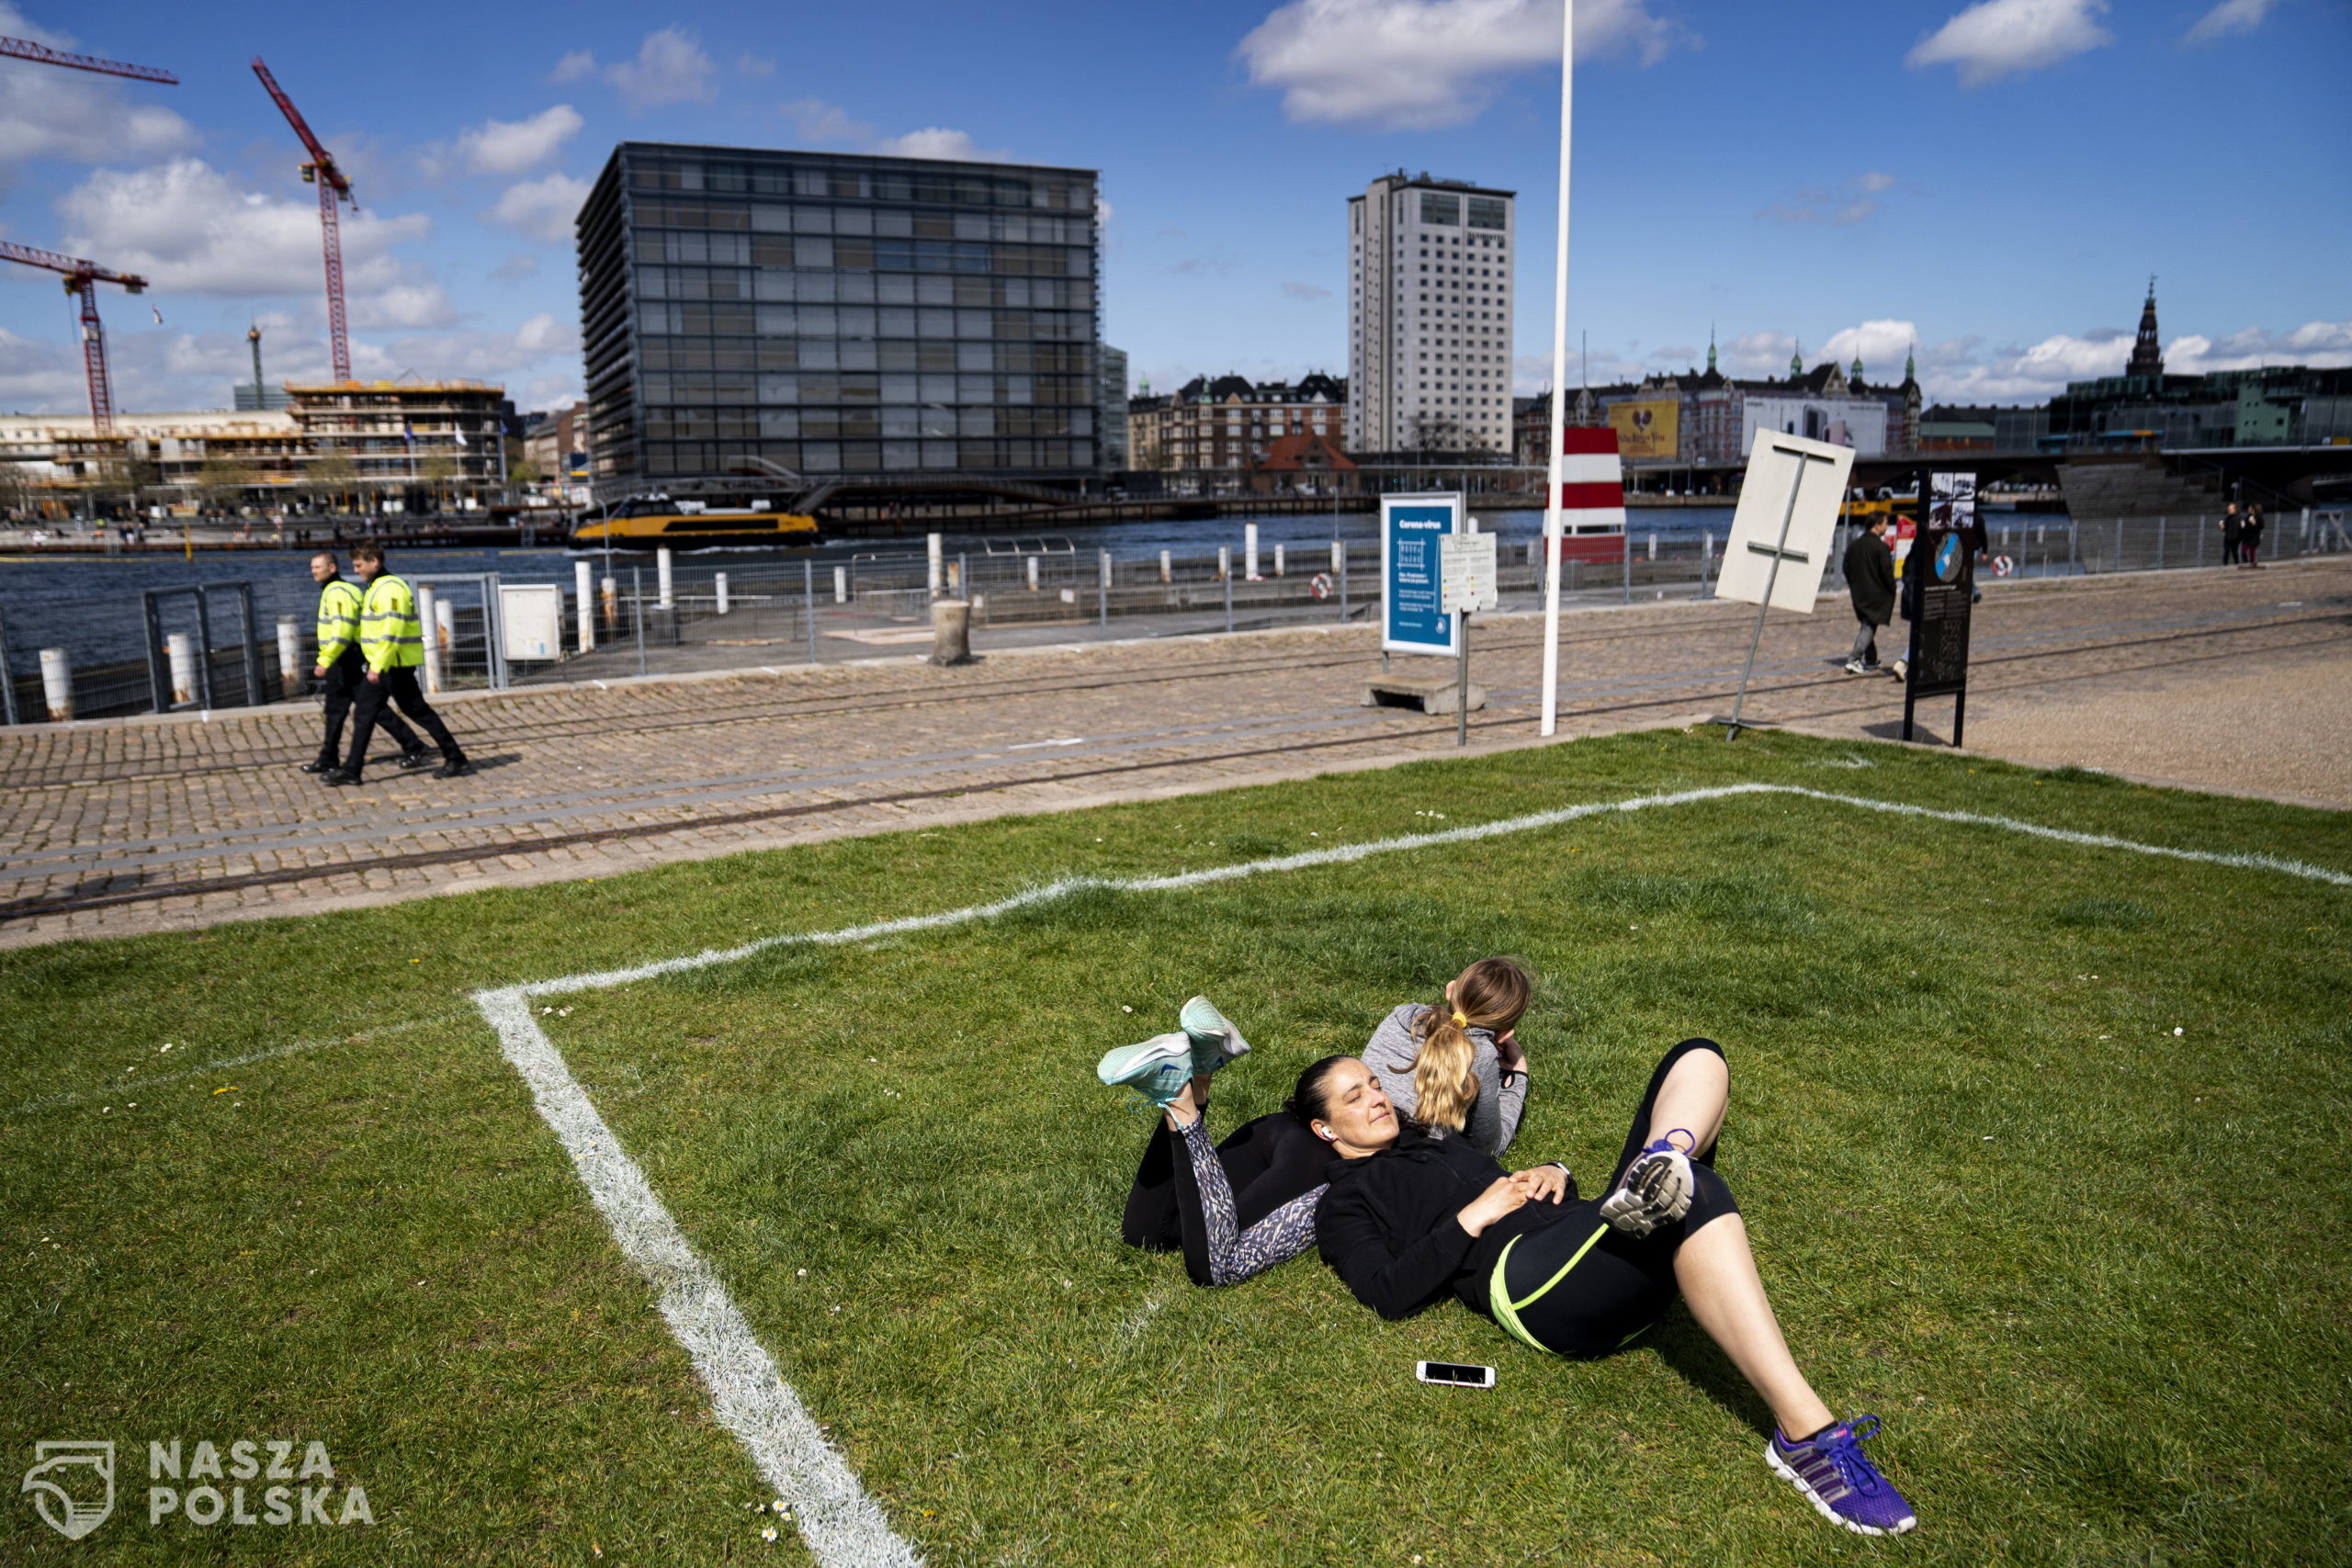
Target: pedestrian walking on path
[
  {"x": 1870, "y": 582},
  {"x": 2250, "y": 538},
  {"x": 392, "y": 645},
  {"x": 344, "y": 671}
]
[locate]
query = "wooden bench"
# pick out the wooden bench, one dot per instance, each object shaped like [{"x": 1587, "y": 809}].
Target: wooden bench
[{"x": 1430, "y": 696}]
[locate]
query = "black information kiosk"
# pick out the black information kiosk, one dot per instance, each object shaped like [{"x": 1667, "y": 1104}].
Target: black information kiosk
[{"x": 1938, "y": 586}]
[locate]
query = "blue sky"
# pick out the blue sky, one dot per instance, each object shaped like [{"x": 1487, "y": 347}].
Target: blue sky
[{"x": 1995, "y": 180}]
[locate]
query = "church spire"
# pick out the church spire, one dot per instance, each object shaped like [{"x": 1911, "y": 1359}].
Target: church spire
[
  {"x": 1710, "y": 346},
  {"x": 1796, "y": 362},
  {"x": 1856, "y": 373},
  {"x": 2147, "y": 352}
]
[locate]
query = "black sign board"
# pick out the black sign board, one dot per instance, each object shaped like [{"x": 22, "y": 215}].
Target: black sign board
[{"x": 1938, "y": 586}]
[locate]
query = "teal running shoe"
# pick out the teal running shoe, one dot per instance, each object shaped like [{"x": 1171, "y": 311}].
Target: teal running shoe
[
  {"x": 1214, "y": 1040},
  {"x": 1157, "y": 1069}
]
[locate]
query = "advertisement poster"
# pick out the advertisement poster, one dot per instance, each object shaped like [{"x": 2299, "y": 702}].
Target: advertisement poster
[
  {"x": 1859, "y": 423},
  {"x": 1413, "y": 528},
  {"x": 1647, "y": 431}
]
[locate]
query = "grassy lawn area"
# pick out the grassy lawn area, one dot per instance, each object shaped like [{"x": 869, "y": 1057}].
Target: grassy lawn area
[{"x": 2042, "y": 1146}]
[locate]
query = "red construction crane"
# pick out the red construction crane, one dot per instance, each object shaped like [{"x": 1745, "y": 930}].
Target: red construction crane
[
  {"x": 333, "y": 188},
  {"x": 83, "y": 277},
  {"x": 26, "y": 48}
]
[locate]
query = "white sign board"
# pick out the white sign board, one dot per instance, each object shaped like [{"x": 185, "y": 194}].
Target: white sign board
[
  {"x": 1787, "y": 516},
  {"x": 1466, "y": 574},
  {"x": 532, "y": 617}
]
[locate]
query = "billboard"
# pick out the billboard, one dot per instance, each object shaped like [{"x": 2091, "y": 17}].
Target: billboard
[
  {"x": 1841, "y": 422},
  {"x": 1649, "y": 430}
]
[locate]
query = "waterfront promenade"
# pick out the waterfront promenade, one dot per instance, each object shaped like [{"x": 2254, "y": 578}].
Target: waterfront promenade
[{"x": 2219, "y": 680}]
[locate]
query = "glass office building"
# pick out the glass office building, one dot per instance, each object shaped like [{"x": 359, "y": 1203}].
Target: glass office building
[{"x": 839, "y": 316}]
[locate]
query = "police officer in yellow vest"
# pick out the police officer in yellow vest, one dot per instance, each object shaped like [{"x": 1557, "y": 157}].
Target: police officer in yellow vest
[
  {"x": 343, "y": 673},
  {"x": 393, "y": 646}
]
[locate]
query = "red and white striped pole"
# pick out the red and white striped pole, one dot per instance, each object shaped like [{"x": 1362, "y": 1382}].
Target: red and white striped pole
[{"x": 1552, "y": 529}]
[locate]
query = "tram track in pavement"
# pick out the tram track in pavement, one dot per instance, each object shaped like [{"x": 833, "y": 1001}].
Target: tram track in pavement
[
  {"x": 822, "y": 704},
  {"x": 1697, "y": 691}
]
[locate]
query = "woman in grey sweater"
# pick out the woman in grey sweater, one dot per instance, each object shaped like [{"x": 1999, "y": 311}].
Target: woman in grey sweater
[{"x": 1457, "y": 1067}]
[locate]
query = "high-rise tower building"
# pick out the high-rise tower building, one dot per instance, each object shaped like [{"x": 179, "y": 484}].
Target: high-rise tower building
[
  {"x": 1430, "y": 316},
  {"x": 838, "y": 315}
]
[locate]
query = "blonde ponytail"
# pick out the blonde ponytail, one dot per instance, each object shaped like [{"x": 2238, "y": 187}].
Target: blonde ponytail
[
  {"x": 1442, "y": 1085},
  {"x": 1490, "y": 994}
]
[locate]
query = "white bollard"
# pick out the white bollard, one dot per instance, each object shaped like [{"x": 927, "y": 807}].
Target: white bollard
[
  {"x": 612, "y": 597},
  {"x": 57, "y": 682},
  {"x": 1224, "y": 562},
  {"x": 1473, "y": 524},
  {"x": 932, "y": 550},
  {"x": 1652, "y": 544},
  {"x": 180, "y": 649},
  {"x": 662, "y": 576},
  {"x": 583, "y": 592},
  {"x": 840, "y": 585},
  {"x": 1530, "y": 551},
  {"x": 1278, "y": 561},
  {"x": 1167, "y": 568},
  {"x": 719, "y": 586},
  {"x": 428, "y": 614},
  {"x": 1250, "y": 550},
  {"x": 289, "y": 657},
  {"x": 1033, "y": 575},
  {"x": 1339, "y": 558}
]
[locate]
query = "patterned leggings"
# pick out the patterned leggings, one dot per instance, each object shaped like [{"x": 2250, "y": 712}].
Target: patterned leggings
[{"x": 1235, "y": 1209}]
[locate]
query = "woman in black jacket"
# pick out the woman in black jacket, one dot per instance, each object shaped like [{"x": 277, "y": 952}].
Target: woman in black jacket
[{"x": 1408, "y": 1219}]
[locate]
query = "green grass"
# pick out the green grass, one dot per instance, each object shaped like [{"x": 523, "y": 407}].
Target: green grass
[{"x": 2090, "y": 1272}]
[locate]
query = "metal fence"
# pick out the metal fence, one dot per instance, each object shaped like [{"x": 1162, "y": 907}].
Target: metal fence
[{"x": 644, "y": 618}]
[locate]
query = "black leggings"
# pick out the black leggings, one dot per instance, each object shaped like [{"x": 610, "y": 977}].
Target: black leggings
[
  {"x": 1580, "y": 1287},
  {"x": 1268, "y": 1162}
]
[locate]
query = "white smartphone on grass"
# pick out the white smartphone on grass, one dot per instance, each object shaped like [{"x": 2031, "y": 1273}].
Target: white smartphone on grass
[{"x": 1455, "y": 1374}]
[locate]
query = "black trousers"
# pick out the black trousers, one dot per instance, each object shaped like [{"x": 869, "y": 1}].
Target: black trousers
[
  {"x": 376, "y": 697},
  {"x": 1269, "y": 1162},
  {"x": 347, "y": 677},
  {"x": 1582, "y": 1288}
]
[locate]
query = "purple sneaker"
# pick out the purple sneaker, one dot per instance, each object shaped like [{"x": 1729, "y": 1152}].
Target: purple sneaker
[{"x": 1843, "y": 1487}]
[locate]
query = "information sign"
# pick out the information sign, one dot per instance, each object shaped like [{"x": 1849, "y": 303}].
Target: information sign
[
  {"x": 1413, "y": 616},
  {"x": 1466, "y": 574},
  {"x": 1938, "y": 588}
]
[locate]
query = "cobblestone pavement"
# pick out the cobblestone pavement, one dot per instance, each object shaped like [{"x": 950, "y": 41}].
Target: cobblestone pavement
[{"x": 124, "y": 826}]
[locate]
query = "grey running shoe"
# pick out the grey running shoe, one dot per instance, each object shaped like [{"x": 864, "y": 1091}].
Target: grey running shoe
[
  {"x": 1214, "y": 1040},
  {"x": 1157, "y": 1069},
  {"x": 1656, "y": 1192}
]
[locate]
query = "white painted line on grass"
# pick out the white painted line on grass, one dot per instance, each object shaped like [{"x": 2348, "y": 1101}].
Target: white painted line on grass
[
  {"x": 129, "y": 1081},
  {"x": 843, "y": 1526}
]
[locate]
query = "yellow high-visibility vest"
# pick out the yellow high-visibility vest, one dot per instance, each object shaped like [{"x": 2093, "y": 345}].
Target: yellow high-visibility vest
[
  {"x": 338, "y": 620},
  {"x": 390, "y": 636}
]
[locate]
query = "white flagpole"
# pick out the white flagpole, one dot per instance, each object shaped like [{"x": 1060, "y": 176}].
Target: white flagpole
[{"x": 1551, "y": 522}]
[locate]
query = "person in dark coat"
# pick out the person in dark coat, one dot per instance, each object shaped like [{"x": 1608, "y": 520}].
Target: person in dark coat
[
  {"x": 2250, "y": 537},
  {"x": 2232, "y": 533},
  {"x": 1870, "y": 581}
]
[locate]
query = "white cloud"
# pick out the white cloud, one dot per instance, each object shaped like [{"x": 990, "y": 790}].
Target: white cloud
[
  {"x": 2314, "y": 342},
  {"x": 46, "y": 112},
  {"x": 1411, "y": 64},
  {"x": 1881, "y": 345},
  {"x": 404, "y": 305},
  {"x": 509, "y": 147},
  {"x": 1994, "y": 38},
  {"x": 1854, "y": 200},
  {"x": 2230, "y": 17},
  {"x": 814, "y": 120},
  {"x": 576, "y": 66},
  {"x": 188, "y": 228},
  {"x": 1307, "y": 290},
  {"x": 543, "y": 208},
  {"x": 670, "y": 68}
]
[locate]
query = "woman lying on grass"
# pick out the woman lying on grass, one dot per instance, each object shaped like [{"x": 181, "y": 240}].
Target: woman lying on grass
[
  {"x": 1237, "y": 1208},
  {"x": 1407, "y": 1217},
  {"x": 1457, "y": 1067}
]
